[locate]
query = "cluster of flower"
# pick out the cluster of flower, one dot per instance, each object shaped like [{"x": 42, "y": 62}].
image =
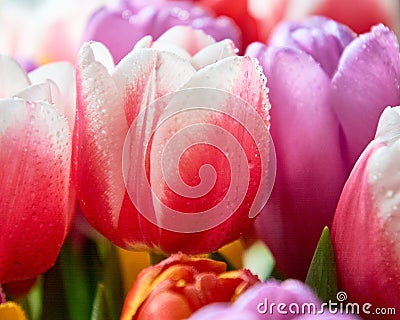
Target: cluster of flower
[{"x": 181, "y": 126}]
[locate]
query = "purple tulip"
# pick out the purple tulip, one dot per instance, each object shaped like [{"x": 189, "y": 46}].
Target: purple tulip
[
  {"x": 327, "y": 91},
  {"x": 272, "y": 299},
  {"x": 120, "y": 26},
  {"x": 222, "y": 311},
  {"x": 290, "y": 299}
]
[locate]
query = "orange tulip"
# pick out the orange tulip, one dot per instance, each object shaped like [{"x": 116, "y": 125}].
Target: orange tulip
[{"x": 180, "y": 285}]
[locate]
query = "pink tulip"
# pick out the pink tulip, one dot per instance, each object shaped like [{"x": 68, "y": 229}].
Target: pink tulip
[
  {"x": 145, "y": 203},
  {"x": 37, "y": 201},
  {"x": 366, "y": 226},
  {"x": 327, "y": 91}
]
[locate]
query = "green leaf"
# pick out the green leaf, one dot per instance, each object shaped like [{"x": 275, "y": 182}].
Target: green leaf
[
  {"x": 322, "y": 275},
  {"x": 54, "y": 304},
  {"x": 217, "y": 256},
  {"x": 79, "y": 277},
  {"x": 32, "y": 303},
  {"x": 101, "y": 307},
  {"x": 156, "y": 257},
  {"x": 112, "y": 282}
]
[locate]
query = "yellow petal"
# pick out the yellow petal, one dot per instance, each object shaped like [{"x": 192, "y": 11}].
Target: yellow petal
[
  {"x": 234, "y": 253},
  {"x": 11, "y": 311},
  {"x": 131, "y": 265}
]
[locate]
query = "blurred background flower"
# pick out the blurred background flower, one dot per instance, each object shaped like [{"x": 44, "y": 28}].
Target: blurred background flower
[
  {"x": 120, "y": 26},
  {"x": 257, "y": 18},
  {"x": 39, "y": 31}
]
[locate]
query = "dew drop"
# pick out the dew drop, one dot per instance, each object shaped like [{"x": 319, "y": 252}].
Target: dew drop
[
  {"x": 126, "y": 14},
  {"x": 389, "y": 193}
]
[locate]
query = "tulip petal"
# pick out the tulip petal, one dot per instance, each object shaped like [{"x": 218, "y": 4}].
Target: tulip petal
[
  {"x": 187, "y": 38},
  {"x": 222, "y": 311},
  {"x": 103, "y": 25},
  {"x": 36, "y": 204},
  {"x": 322, "y": 38},
  {"x": 158, "y": 274},
  {"x": 145, "y": 42},
  {"x": 63, "y": 75},
  {"x": 366, "y": 232},
  {"x": 305, "y": 130},
  {"x": 174, "y": 305},
  {"x": 214, "y": 53},
  {"x": 367, "y": 81},
  {"x": 147, "y": 74},
  {"x": 245, "y": 80},
  {"x": 45, "y": 92},
  {"x": 12, "y": 77},
  {"x": 241, "y": 76},
  {"x": 161, "y": 46},
  {"x": 100, "y": 134},
  {"x": 286, "y": 292},
  {"x": 11, "y": 311}
]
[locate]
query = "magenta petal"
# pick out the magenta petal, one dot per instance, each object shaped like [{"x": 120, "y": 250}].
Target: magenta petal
[
  {"x": 306, "y": 135},
  {"x": 367, "y": 81},
  {"x": 36, "y": 199}
]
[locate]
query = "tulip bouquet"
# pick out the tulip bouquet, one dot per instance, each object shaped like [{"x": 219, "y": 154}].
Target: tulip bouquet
[{"x": 199, "y": 160}]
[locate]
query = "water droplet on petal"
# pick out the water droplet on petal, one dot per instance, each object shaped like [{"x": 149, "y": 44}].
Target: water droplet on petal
[
  {"x": 126, "y": 14},
  {"x": 389, "y": 193}
]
